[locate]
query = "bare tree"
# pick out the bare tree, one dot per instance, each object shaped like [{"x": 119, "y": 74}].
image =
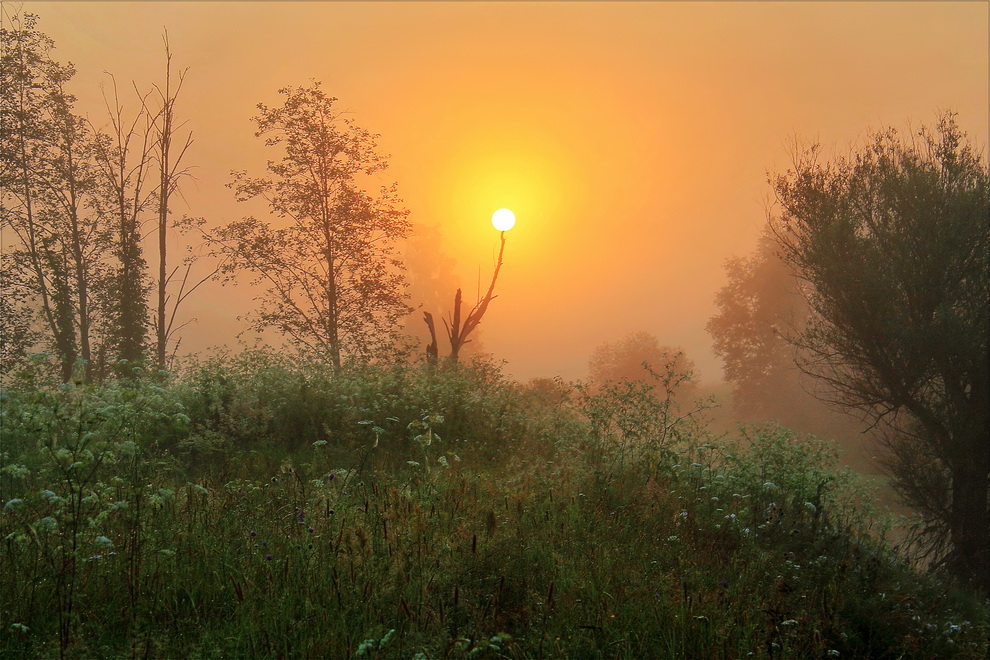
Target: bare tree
[
  {"x": 171, "y": 171},
  {"x": 458, "y": 329}
]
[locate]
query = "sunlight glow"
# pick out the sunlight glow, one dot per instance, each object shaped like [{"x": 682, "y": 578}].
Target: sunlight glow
[{"x": 503, "y": 219}]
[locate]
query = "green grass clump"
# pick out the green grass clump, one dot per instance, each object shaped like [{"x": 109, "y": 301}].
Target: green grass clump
[{"x": 259, "y": 508}]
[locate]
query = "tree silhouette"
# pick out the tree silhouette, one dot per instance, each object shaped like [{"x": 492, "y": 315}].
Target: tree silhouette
[
  {"x": 333, "y": 284},
  {"x": 893, "y": 245}
]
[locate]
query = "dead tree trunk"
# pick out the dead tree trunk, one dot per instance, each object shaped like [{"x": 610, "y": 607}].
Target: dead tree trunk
[
  {"x": 457, "y": 334},
  {"x": 432, "y": 349}
]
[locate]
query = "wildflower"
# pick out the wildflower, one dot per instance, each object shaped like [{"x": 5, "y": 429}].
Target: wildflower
[
  {"x": 252, "y": 533},
  {"x": 311, "y": 530},
  {"x": 331, "y": 476},
  {"x": 268, "y": 558}
]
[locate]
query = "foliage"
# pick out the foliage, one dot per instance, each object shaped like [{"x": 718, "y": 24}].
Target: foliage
[
  {"x": 122, "y": 165},
  {"x": 758, "y": 308},
  {"x": 52, "y": 248},
  {"x": 638, "y": 419},
  {"x": 333, "y": 284},
  {"x": 894, "y": 246},
  {"x": 260, "y": 400},
  {"x": 632, "y": 359},
  {"x": 16, "y": 318},
  {"x": 536, "y": 543}
]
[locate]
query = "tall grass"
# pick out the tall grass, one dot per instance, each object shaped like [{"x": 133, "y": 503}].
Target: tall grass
[{"x": 260, "y": 508}]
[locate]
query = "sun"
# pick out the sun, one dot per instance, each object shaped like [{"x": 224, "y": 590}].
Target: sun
[{"x": 503, "y": 219}]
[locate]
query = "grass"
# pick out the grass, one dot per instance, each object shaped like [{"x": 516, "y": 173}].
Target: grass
[{"x": 260, "y": 508}]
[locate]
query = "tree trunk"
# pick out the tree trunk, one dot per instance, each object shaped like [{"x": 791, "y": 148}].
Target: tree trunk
[
  {"x": 454, "y": 334},
  {"x": 970, "y": 520},
  {"x": 78, "y": 255},
  {"x": 333, "y": 332},
  {"x": 163, "y": 194},
  {"x": 33, "y": 242},
  {"x": 457, "y": 333},
  {"x": 432, "y": 350}
]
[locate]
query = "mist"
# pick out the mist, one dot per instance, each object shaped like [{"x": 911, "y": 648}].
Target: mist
[{"x": 632, "y": 141}]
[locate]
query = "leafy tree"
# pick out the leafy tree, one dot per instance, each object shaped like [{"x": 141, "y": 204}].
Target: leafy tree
[
  {"x": 758, "y": 305},
  {"x": 893, "y": 246},
  {"x": 623, "y": 360},
  {"x": 333, "y": 283},
  {"x": 54, "y": 248},
  {"x": 74, "y": 200}
]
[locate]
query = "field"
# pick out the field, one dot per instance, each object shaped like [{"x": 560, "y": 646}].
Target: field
[{"x": 257, "y": 506}]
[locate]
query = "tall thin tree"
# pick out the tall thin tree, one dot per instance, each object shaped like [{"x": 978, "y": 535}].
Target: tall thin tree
[{"x": 170, "y": 172}]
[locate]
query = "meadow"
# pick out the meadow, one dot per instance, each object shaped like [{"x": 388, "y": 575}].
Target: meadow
[{"x": 256, "y": 505}]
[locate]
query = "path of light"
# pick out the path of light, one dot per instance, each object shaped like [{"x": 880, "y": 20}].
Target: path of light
[{"x": 503, "y": 219}]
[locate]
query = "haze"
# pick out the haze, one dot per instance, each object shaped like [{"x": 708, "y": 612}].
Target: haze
[{"x": 631, "y": 140}]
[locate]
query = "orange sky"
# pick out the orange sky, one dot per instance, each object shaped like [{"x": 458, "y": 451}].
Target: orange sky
[{"x": 631, "y": 139}]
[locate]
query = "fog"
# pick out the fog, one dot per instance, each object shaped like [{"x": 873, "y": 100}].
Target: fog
[{"x": 632, "y": 140}]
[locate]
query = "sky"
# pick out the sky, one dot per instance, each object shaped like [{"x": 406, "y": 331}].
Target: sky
[{"x": 632, "y": 140}]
